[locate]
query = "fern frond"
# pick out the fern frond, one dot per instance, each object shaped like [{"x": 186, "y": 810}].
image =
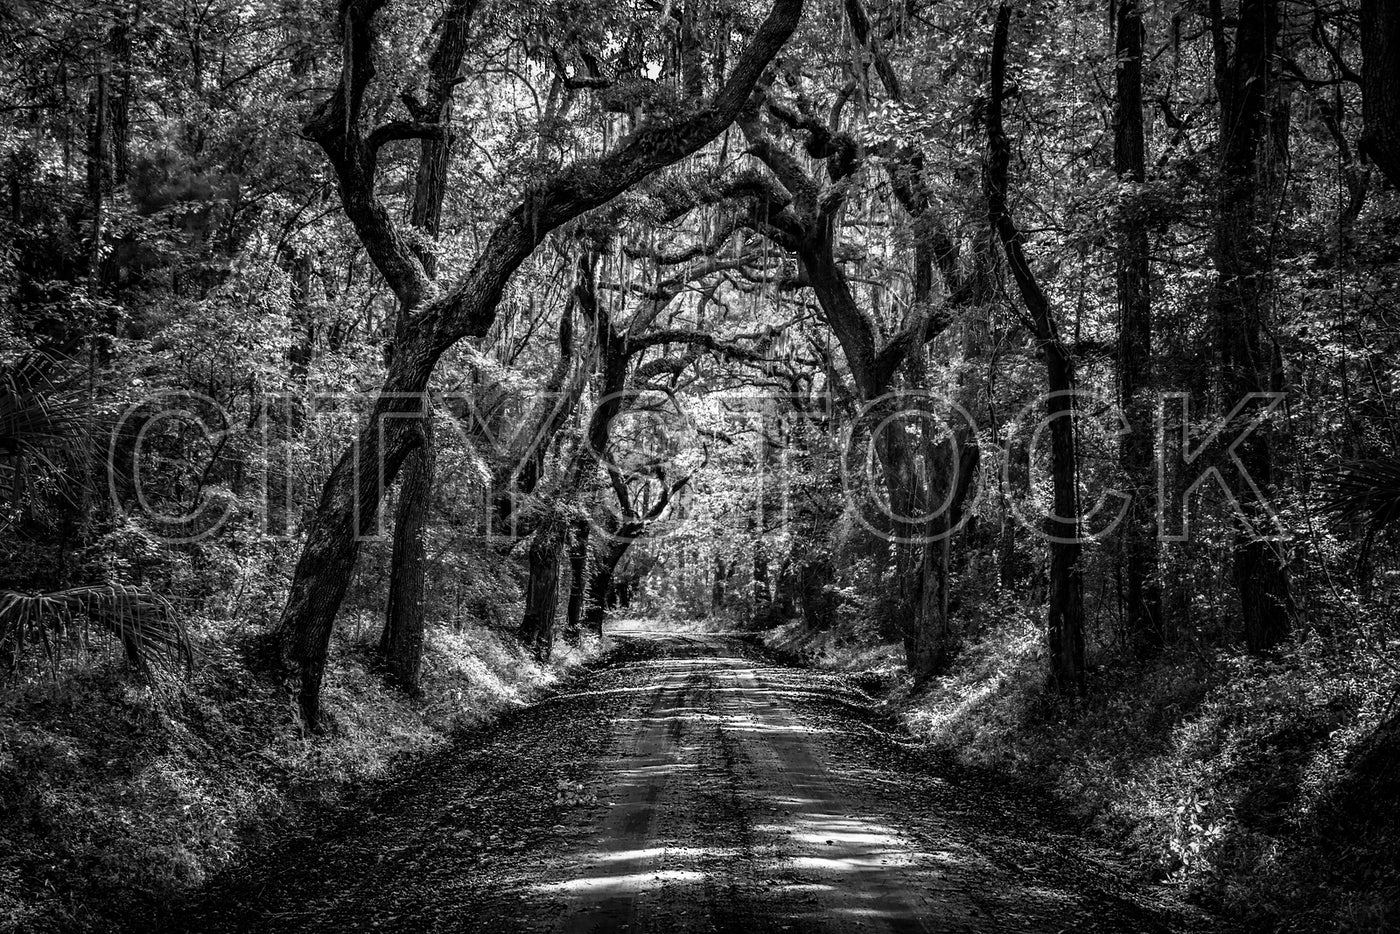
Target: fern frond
[{"x": 1368, "y": 490}]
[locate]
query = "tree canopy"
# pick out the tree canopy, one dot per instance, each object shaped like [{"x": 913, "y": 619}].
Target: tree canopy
[{"x": 895, "y": 319}]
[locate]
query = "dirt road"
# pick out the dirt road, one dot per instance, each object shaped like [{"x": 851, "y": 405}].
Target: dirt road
[{"x": 690, "y": 786}]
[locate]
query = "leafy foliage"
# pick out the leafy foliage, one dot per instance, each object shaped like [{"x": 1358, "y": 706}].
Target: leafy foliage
[{"x": 171, "y": 239}]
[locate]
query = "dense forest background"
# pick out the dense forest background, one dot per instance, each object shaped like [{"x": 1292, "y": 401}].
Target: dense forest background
[{"x": 1035, "y": 362}]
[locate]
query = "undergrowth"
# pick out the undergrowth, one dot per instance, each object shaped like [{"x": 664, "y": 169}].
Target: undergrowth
[
  {"x": 118, "y": 797},
  {"x": 1257, "y": 786}
]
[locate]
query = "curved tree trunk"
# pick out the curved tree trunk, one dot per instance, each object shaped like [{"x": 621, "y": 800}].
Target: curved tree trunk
[
  {"x": 401, "y": 643},
  {"x": 467, "y": 308},
  {"x": 1065, "y": 617}
]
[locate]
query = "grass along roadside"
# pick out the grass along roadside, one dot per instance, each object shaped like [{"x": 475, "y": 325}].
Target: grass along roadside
[
  {"x": 117, "y": 799},
  {"x": 1236, "y": 779}
]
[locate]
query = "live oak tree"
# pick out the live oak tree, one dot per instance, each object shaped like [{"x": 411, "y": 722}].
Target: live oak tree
[
  {"x": 407, "y": 263},
  {"x": 623, "y": 375},
  {"x": 799, "y": 211},
  {"x": 464, "y": 309}
]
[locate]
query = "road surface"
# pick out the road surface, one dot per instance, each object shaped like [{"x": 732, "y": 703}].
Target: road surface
[{"x": 690, "y": 786}]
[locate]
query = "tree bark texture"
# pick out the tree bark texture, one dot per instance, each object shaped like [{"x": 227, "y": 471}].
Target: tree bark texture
[
  {"x": 401, "y": 642},
  {"x": 1142, "y": 593},
  {"x": 1247, "y": 76},
  {"x": 542, "y": 591},
  {"x": 1380, "y": 85}
]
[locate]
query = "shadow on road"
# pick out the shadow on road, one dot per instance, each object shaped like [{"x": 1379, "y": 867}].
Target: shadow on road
[{"x": 693, "y": 786}]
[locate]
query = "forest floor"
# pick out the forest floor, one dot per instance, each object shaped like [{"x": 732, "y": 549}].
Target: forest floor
[{"x": 692, "y": 785}]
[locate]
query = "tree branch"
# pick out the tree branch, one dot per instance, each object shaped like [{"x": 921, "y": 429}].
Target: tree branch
[{"x": 404, "y": 129}]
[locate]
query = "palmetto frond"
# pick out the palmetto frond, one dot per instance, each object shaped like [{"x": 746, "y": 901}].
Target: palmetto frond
[
  {"x": 141, "y": 621},
  {"x": 1368, "y": 490},
  {"x": 44, "y": 422}
]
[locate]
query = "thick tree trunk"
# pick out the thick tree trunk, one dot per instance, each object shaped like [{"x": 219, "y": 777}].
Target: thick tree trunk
[
  {"x": 818, "y": 604},
  {"x": 1248, "y": 195},
  {"x": 761, "y": 594},
  {"x": 921, "y": 572},
  {"x": 921, "y": 607},
  {"x": 931, "y": 642},
  {"x": 1380, "y": 85},
  {"x": 1142, "y": 592},
  {"x": 585, "y": 460},
  {"x": 717, "y": 585},
  {"x": 578, "y": 575},
  {"x": 600, "y": 583},
  {"x": 922, "y": 621},
  {"x": 401, "y": 642},
  {"x": 405, "y": 622},
  {"x": 542, "y": 591},
  {"x": 350, "y": 497}
]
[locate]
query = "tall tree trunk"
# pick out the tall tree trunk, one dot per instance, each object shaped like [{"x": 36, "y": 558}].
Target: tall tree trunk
[
  {"x": 873, "y": 371},
  {"x": 923, "y": 564},
  {"x": 542, "y": 591},
  {"x": 401, "y": 642},
  {"x": 1380, "y": 85},
  {"x": 762, "y": 593},
  {"x": 921, "y": 572},
  {"x": 97, "y": 177},
  {"x": 717, "y": 585},
  {"x": 350, "y": 497},
  {"x": 119, "y": 101},
  {"x": 1248, "y": 192},
  {"x": 1142, "y": 597},
  {"x": 606, "y": 558},
  {"x": 584, "y": 460},
  {"x": 932, "y": 642},
  {"x": 817, "y": 602},
  {"x": 1065, "y": 623},
  {"x": 578, "y": 575},
  {"x": 405, "y": 622}
]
